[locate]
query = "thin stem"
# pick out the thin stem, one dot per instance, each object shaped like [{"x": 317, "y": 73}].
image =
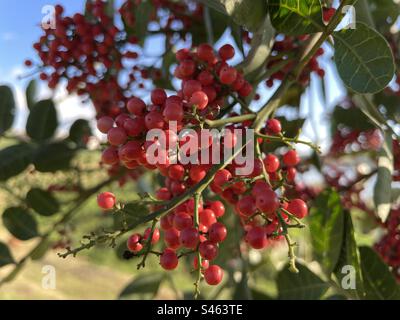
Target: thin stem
[
  {"x": 142, "y": 264},
  {"x": 67, "y": 216},
  {"x": 290, "y": 243},
  {"x": 238, "y": 119},
  {"x": 288, "y": 141},
  {"x": 199, "y": 259}
]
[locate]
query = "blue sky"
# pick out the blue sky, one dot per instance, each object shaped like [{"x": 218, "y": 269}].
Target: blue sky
[{"x": 19, "y": 29}]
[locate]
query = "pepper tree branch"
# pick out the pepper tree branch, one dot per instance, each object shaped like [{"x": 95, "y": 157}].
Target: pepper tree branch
[
  {"x": 43, "y": 238},
  {"x": 170, "y": 205},
  {"x": 314, "y": 44}
]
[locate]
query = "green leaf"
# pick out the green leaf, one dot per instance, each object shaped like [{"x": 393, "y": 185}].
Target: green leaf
[
  {"x": 42, "y": 202},
  {"x": 31, "y": 94},
  {"x": 7, "y": 109},
  {"x": 364, "y": 59},
  {"x": 349, "y": 256},
  {"x": 144, "y": 284},
  {"x": 326, "y": 229},
  {"x": 379, "y": 282},
  {"x": 53, "y": 157},
  {"x": 296, "y": 17},
  {"x": 304, "y": 285},
  {"x": 349, "y": 117},
  {"x": 247, "y": 13},
  {"x": 259, "y": 295},
  {"x": 79, "y": 130},
  {"x": 14, "y": 160},
  {"x": 384, "y": 13},
  {"x": 5, "y": 255},
  {"x": 165, "y": 80},
  {"x": 42, "y": 121},
  {"x": 383, "y": 185},
  {"x": 261, "y": 46},
  {"x": 20, "y": 223},
  {"x": 130, "y": 216}
]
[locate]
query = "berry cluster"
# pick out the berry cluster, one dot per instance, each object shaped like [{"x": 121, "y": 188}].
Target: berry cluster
[
  {"x": 389, "y": 246},
  {"x": 206, "y": 83},
  {"x": 345, "y": 140},
  {"x": 87, "y": 51}
]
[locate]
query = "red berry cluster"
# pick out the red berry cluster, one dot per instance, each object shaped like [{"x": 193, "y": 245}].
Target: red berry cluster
[
  {"x": 206, "y": 82},
  {"x": 256, "y": 201},
  {"x": 345, "y": 140},
  {"x": 283, "y": 50},
  {"x": 88, "y": 51},
  {"x": 389, "y": 246},
  {"x": 180, "y": 233}
]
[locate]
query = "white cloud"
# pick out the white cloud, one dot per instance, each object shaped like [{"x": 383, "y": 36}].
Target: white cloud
[{"x": 7, "y": 36}]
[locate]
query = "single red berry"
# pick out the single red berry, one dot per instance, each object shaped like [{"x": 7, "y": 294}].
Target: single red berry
[
  {"x": 169, "y": 259},
  {"x": 268, "y": 202},
  {"x": 116, "y": 136},
  {"x": 171, "y": 238},
  {"x": 119, "y": 121},
  {"x": 136, "y": 106},
  {"x": 207, "y": 217},
  {"x": 154, "y": 120},
  {"x": 256, "y": 237},
  {"x": 227, "y": 75},
  {"x": 133, "y": 243},
  {"x": 222, "y": 177},
  {"x": 226, "y": 52},
  {"x": 182, "y": 220},
  {"x": 199, "y": 99},
  {"x": 106, "y": 200},
  {"x": 246, "y": 206},
  {"x": 217, "y": 232},
  {"x": 165, "y": 223},
  {"x": 274, "y": 126},
  {"x": 176, "y": 172},
  {"x": 28, "y": 63},
  {"x": 197, "y": 173},
  {"x": 173, "y": 110},
  {"x": 187, "y": 67},
  {"x": 158, "y": 96},
  {"x": 182, "y": 54},
  {"x": 208, "y": 250},
  {"x": 298, "y": 208},
  {"x": 245, "y": 89},
  {"x": 213, "y": 275},
  {"x": 291, "y": 158},
  {"x": 217, "y": 207},
  {"x": 291, "y": 174},
  {"x": 205, "y": 52},
  {"x": 110, "y": 156},
  {"x": 104, "y": 124},
  {"x": 271, "y": 163},
  {"x": 156, "y": 235},
  {"x": 189, "y": 238}
]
